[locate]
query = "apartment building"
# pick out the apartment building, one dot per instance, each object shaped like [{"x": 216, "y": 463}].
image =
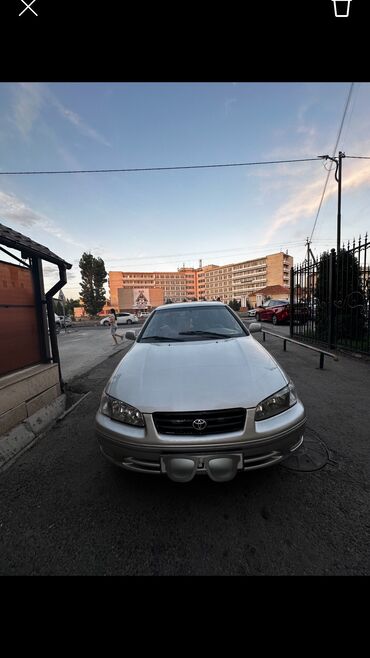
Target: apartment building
[
  {"x": 176, "y": 286},
  {"x": 238, "y": 281},
  {"x": 241, "y": 281}
]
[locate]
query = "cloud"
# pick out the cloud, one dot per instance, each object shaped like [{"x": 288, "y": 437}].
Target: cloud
[
  {"x": 228, "y": 103},
  {"x": 29, "y": 101},
  {"x": 76, "y": 120},
  {"x": 15, "y": 211},
  {"x": 304, "y": 199}
]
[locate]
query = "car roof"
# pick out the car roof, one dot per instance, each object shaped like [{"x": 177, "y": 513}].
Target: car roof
[{"x": 189, "y": 304}]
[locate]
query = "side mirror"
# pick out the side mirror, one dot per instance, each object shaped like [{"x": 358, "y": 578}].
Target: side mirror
[
  {"x": 130, "y": 335},
  {"x": 254, "y": 327}
]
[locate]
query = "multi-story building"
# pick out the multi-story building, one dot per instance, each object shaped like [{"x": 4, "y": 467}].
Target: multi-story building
[
  {"x": 242, "y": 280},
  {"x": 238, "y": 281}
]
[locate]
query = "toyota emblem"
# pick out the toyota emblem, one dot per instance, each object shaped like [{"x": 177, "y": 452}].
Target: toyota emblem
[{"x": 199, "y": 424}]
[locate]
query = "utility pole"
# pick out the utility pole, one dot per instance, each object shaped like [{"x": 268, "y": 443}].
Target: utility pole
[{"x": 338, "y": 178}]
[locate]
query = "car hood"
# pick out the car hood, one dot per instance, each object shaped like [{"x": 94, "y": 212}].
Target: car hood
[{"x": 196, "y": 375}]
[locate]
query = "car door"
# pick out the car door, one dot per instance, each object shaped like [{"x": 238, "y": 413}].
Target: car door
[{"x": 267, "y": 313}]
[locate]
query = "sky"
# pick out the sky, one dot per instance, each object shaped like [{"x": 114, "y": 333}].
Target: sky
[{"x": 161, "y": 220}]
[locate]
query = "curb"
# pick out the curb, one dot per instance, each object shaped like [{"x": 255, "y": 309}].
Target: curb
[{"x": 22, "y": 437}]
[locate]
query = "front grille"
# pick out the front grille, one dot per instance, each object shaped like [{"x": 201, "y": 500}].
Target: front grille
[{"x": 220, "y": 421}]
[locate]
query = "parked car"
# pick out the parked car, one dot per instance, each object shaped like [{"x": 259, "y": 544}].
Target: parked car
[
  {"x": 198, "y": 394},
  {"x": 58, "y": 323},
  {"x": 251, "y": 313},
  {"x": 275, "y": 310},
  {"x": 65, "y": 320},
  {"x": 278, "y": 311},
  {"x": 122, "y": 318},
  {"x": 143, "y": 314}
]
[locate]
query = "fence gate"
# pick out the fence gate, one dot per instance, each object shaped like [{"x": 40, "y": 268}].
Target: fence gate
[
  {"x": 330, "y": 298},
  {"x": 19, "y": 333}
]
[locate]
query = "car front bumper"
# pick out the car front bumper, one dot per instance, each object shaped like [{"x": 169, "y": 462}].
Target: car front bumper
[{"x": 258, "y": 445}]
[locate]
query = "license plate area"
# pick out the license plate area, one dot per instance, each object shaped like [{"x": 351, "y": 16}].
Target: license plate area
[{"x": 219, "y": 467}]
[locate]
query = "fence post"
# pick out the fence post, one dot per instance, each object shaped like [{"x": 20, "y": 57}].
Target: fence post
[
  {"x": 291, "y": 302},
  {"x": 331, "y": 308}
]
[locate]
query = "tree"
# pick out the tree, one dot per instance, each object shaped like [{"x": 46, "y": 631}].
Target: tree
[
  {"x": 58, "y": 308},
  {"x": 235, "y": 305},
  {"x": 346, "y": 303},
  {"x": 70, "y": 305},
  {"x": 94, "y": 276}
]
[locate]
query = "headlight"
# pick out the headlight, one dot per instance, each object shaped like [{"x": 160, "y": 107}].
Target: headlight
[
  {"x": 275, "y": 404},
  {"x": 121, "y": 411}
]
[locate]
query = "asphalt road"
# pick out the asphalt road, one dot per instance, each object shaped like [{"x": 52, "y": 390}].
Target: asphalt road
[
  {"x": 64, "y": 510},
  {"x": 82, "y": 348}
]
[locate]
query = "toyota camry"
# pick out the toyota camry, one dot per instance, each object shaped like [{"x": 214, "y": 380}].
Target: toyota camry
[{"x": 198, "y": 394}]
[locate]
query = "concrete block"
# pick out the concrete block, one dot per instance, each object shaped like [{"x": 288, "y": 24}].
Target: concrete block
[
  {"x": 12, "y": 418},
  {"x": 18, "y": 375},
  {"x": 28, "y": 387},
  {"x": 46, "y": 416},
  {"x": 42, "y": 399}
]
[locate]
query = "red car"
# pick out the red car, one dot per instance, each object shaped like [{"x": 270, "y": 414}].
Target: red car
[
  {"x": 275, "y": 310},
  {"x": 278, "y": 310}
]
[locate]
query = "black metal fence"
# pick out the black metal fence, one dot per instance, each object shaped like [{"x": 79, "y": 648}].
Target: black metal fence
[{"x": 330, "y": 298}]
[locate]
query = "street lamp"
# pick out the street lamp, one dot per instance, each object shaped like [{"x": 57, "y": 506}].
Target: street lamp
[{"x": 338, "y": 178}]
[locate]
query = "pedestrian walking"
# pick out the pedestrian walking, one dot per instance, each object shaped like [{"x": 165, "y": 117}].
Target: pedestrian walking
[{"x": 113, "y": 327}]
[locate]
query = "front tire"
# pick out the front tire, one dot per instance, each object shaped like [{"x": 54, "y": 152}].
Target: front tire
[
  {"x": 129, "y": 322},
  {"x": 274, "y": 320},
  {"x": 106, "y": 323},
  {"x": 258, "y": 317}
]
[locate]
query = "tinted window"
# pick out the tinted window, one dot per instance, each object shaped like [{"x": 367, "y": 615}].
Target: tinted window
[
  {"x": 193, "y": 323},
  {"x": 278, "y": 302}
]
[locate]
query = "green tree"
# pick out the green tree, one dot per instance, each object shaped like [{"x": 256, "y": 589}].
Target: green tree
[
  {"x": 58, "y": 308},
  {"x": 94, "y": 276},
  {"x": 348, "y": 299},
  {"x": 70, "y": 305},
  {"x": 235, "y": 305}
]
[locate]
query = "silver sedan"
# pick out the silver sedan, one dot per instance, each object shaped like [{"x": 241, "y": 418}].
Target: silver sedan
[{"x": 198, "y": 394}]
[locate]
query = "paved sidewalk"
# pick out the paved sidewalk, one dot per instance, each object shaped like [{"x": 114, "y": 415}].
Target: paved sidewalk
[{"x": 336, "y": 399}]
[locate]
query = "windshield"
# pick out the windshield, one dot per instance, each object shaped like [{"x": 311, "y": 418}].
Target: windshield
[{"x": 189, "y": 324}]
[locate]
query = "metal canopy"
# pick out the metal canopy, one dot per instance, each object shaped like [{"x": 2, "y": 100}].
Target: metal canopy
[{"x": 28, "y": 247}]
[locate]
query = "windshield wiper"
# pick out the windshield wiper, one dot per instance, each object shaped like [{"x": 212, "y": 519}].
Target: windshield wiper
[
  {"x": 165, "y": 338},
  {"x": 204, "y": 333}
]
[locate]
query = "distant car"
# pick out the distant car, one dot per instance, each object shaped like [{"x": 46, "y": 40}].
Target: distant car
[
  {"x": 251, "y": 313},
  {"x": 278, "y": 311},
  {"x": 65, "y": 320},
  {"x": 197, "y": 394},
  {"x": 122, "y": 318},
  {"x": 57, "y": 324},
  {"x": 143, "y": 315}
]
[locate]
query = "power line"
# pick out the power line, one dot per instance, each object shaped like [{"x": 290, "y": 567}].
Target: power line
[
  {"x": 173, "y": 258},
  {"x": 334, "y": 151},
  {"x": 213, "y": 251},
  {"x": 132, "y": 169}
]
